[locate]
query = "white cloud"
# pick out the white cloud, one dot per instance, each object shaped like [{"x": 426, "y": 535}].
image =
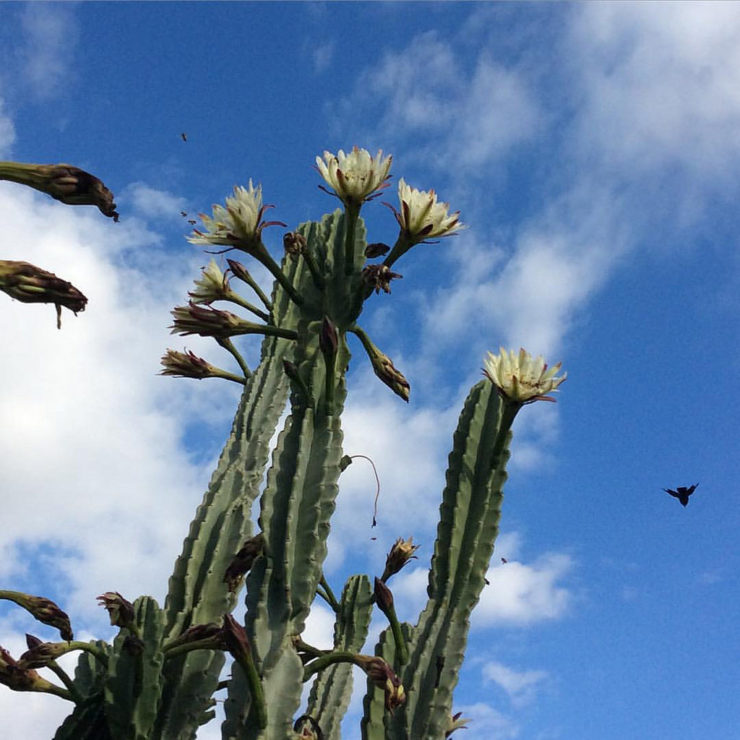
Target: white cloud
[
  {"x": 486, "y": 723},
  {"x": 49, "y": 37},
  {"x": 322, "y": 56},
  {"x": 661, "y": 84},
  {"x": 521, "y": 686},
  {"x": 522, "y": 594},
  {"x": 7, "y": 131},
  {"x": 152, "y": 203}
]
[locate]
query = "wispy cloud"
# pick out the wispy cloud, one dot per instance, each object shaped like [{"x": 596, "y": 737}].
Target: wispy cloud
[{"x": 521, "y": 686}]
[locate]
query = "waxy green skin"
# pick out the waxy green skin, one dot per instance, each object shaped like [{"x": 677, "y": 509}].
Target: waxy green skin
[{"x": 133, "y": 689}]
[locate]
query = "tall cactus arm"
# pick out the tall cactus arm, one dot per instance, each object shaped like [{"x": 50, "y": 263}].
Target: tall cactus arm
[
  {"x": 466, "y": 533},
  {"x": 300, "y": 494},
  {"x": 133, "y": 683},
  {"x": 332, "y": 689},
  {"x": 197, "y": 592}
]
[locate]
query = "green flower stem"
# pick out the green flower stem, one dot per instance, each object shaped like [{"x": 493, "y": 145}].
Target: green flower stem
[
  {"x": 267, "y": 329},
  {"x": 313, "y": 268},
  {"x": 228, "y": 345},
  {"x": 236, "y": 298},
  {"x": 172, "y": 650},
  {"x": 402, "y": 245},
  {"x": 402, "y": 651},
  {"x": 331, "y": 361},
  {"x": 331, "y": 598},
  {"x": 66, "y": 680},
  {"x": 24, "y": 174},
  {"x": 340, "y": 656},
  {"x": 252, "y": 283},
  {"x": 260, "y": 253},
  {"x": 46, "y": 687},
  {"x": 367, "y": 343},
  {"x": 304, "y": 647},
  {"x": 352, "y": 213},
  {"x": 256, "y": 690}
]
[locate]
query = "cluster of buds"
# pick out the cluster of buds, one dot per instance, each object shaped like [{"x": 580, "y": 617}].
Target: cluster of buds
[
  {"x": 14, "y": 675},
  {"x": 40, "y": 653},
  {"x": 520, "y": 378}
]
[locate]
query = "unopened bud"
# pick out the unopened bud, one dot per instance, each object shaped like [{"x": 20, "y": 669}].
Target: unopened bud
[
  {"x": 43, "y": 610},
  {"x": 235, "y": 639},
  {"x": 384, "y": 369},
  {"x": 42, "y": 654},
  {"x": 381, "y": 674},
  {"x": 328, "y": 340},
  {"x": 383, "y": 596},
  {"x": 209, "y": 322},
  {"x": 30, "y": 284}
]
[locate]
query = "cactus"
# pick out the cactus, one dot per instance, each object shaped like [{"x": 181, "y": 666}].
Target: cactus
[{"x": 158, "y": 678}]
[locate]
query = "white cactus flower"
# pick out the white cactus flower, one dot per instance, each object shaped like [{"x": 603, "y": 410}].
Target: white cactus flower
[
  {"x": 354, "y": 177},
  {"x": 213, "y": 285},
  {"x": 422, "y": 217},
  {"x": 522, "y": 378},
  {"x": 239, "y": 223}
]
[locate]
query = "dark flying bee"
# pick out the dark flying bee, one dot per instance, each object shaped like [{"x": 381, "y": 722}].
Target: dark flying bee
[
  {"x": 682, "y": 493},
  {"x": 184, "y": 137}
]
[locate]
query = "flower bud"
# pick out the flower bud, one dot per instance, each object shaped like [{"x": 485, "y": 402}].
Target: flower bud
[
  {"x": 384, "y": 369},
  {"x": 383, "y": 596},
  {"x": 42, "y": 654},
  {"x": 65, "y": 183},
  {"x": 43, "y": 610},
  {"x": 328, "y": 340},
  {"x": 380, "y": 673},
  {"x": 209, "y": 322},
  {"x": 456, "y": 722},
  {"x": 235, "y": 639},
  {"x": 120, "y": 611},
  {"x": 30, "y": 284}
]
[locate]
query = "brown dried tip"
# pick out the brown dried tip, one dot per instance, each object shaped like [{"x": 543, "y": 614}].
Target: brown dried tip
[
  {"x": 44, "y": 610},
  {"x": 401, "y": 552},
  {"x": 378, "y": 277},
  {"x": 120, "y": 610},
  {"x": 243, "y": 561}
]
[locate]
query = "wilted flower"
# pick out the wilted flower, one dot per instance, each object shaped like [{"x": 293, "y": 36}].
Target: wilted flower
[
  {"x": 43, "y": 610},
  {"x": 213, "y": 285},
  {"x": 30, "y": 284},
  {"x": 400, "y": 554},
  {"x": 242, "y": 562},
  {"x": 378, "y": 277},
  {"x": 120, "y": 611},
  {"x": 239, "y": 224},
  {"x": 235, "y": 639},
  {"x": 381, "y": 674},
  {"x": 294, "y": 244},
  {"x": 209, "y": 322},
  {"x": 421, "y": 217},
  {"x": 185, "y": 365},
  {"x": 521, "y": 378},
  {"x": 65, "y": 183},
  {"x": 15, "y": 676},
  {"x": 354, "y": 177}
]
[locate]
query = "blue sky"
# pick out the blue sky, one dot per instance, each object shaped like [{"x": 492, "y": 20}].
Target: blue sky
[{"x": 593, "y": 150}]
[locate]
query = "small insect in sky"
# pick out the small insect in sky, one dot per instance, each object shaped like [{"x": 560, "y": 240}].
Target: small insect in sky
[
  {"x": 682, "y": 493},
  {"x": 192, "y": 221},
  {"x": 184, "y": 137},
  {"x": 184, "y": 214}
]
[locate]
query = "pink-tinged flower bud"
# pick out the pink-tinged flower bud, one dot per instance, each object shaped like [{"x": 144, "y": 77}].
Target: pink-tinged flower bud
[
  {"x": 328, "y": 339},
  {"x": 65, "y": 183},
  {"x": 30, "y": 284},
  {"x": 378, "y": 277},
  {"x": 41, "y": 655},
  {"x": 383, "y": 596},
  {"x": 400, "y": 554},
  {"x": 120, "y": 611},
  {"x": 210, "y": 322},
  {"x": 235, "y": 639},
  {"x": 522, "y": 378},
  {"x": 44, "y": 610},
  {"x": 185, "y": 365},
  {"x": 242, "y": 562},
  {"x": 15, "y": 676}
]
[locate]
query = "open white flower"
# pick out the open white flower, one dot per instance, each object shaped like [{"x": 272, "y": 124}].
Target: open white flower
[
  {"x": 354, "y": 177},
  {"x": 239, "y": 223},
  {"x": 213, "y": 285},
  {"x": 421, "y": 217},
  {"x": 521, "y": 377}
]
